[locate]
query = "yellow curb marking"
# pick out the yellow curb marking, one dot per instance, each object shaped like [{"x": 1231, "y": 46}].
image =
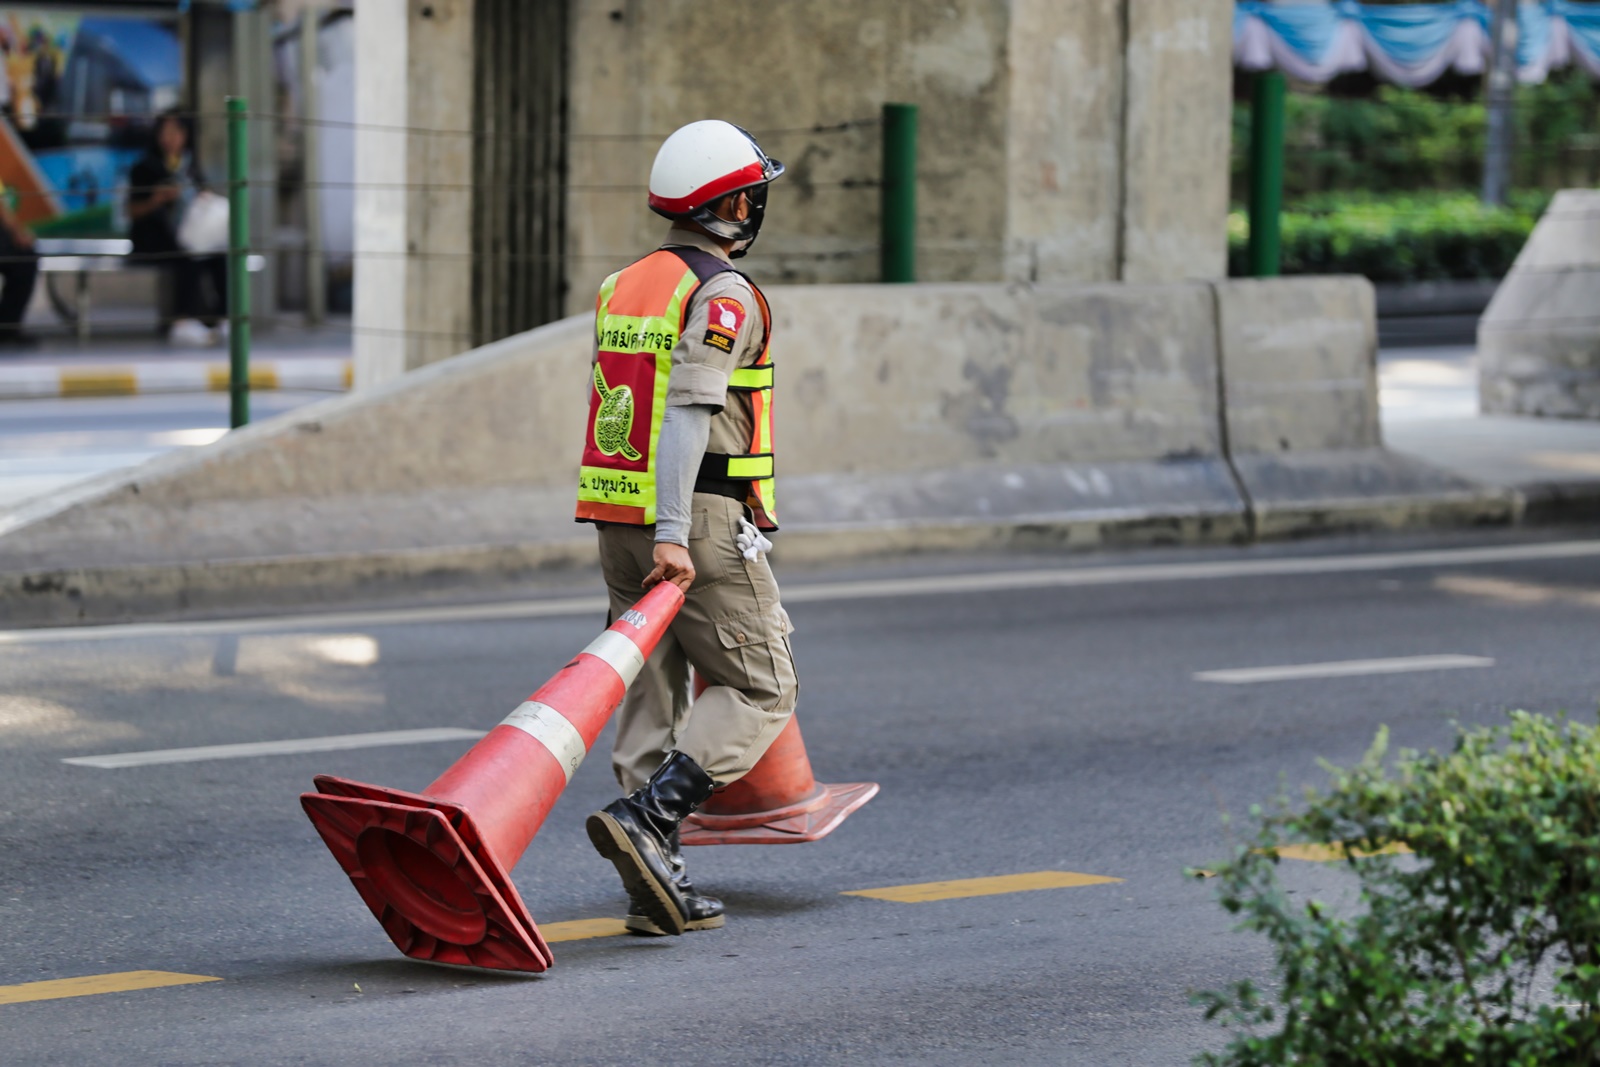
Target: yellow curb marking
[
  {"x": 1336, "y": 851},
  {"x": 102, "y": 381},
  {"x": 88, "y": 985},
  {"x": 982, "y": 887},
  {"x": 349, "y": 375},
  {"x": 262, "y": 376},
  {"x": 582, "y": 929}
]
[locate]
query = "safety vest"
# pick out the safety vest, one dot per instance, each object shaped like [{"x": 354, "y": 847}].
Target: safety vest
[{"x": 639, "y": 317}]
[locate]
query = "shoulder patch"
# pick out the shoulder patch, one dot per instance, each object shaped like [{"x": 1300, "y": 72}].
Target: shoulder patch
[{"x": 725, "y": 316}]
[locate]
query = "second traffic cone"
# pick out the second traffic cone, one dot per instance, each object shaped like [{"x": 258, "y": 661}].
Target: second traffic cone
[
  {"x": 779, "y": 802},
  {"x": 433, "y": 867}
]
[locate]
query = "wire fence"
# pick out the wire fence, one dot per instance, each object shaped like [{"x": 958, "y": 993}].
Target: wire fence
[
  {"x": 73, "y": 216},
  {"x": 779, "y": 250}
]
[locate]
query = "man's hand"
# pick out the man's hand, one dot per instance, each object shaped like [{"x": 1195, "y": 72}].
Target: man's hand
[{"x": 672, "y": 565}]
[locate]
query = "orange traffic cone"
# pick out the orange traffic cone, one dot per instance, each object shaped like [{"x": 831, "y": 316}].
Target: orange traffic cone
[
  {"x": 433, "y": 866},
  {"x": 780, "y": 802}
]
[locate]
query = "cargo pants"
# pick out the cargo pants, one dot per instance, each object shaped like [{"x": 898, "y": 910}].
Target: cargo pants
[{"x": 732, "y": 630}]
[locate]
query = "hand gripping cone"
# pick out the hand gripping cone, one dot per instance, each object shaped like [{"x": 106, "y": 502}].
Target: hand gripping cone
[
  {"x": 433, "y": 866},
  {"x": 780, "y": 802}
]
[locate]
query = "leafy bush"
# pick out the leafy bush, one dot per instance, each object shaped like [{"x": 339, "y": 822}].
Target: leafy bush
[
  {"x": 1400, "y": 140},
  {"x": 1482, "y": 948},
  {"x": 1398, "y": 239}
]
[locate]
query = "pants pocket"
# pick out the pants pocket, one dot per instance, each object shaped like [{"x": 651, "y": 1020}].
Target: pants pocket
[
  {"x": 755, "y": 658},
  {"x": 711, "y": 548}
]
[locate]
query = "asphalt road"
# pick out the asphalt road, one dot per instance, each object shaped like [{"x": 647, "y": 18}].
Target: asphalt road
[
  {"x": 47, "y": 444},
  {"x": 1048, "y": 727}
]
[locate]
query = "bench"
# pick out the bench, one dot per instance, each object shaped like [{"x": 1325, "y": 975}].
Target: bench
[{"x": 84, "y": 256}]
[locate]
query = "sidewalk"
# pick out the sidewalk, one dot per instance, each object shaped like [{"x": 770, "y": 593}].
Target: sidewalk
[
  {"x": 129, "y": 363},
  {"x": 1429, "y": 399}
]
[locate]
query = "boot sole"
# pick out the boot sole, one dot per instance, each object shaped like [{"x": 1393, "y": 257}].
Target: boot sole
[
  {"x": 612, "y": 842},
  {"x": 646, "y": 927}
]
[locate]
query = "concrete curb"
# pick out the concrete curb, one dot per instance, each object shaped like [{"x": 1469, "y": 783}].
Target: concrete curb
[
  {"x": 1555, "y": 503},
  {"x": 223, "y": 588},
  {"x": 220, "y": 588},
  {"x": 43, "y": 381}
]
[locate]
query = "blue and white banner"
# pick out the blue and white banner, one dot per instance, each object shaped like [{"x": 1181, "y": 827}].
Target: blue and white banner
[{"x": 1410, "y": 44}]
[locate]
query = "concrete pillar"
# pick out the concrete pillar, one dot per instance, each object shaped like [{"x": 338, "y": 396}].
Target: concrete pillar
[
  {"x": 1118, "y": 127},
  {"x": 1063, "y": 157},
  {"x": 413, "y": 288},
  {"x": 1177, "y": 133}
]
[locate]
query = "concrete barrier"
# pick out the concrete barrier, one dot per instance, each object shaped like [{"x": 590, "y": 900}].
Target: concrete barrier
[
  {"x": 1539, "y": 340},
  {"x": 909, "y": 418},
  {"x": 988, "y": 415},
  {"x": 1299, "y": 370}
]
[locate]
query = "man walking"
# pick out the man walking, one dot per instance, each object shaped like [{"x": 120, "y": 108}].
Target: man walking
[{"x": 677, "y": 474}]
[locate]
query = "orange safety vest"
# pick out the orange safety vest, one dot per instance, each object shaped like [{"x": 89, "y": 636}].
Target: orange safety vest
[{"x": 639, "y": 318}]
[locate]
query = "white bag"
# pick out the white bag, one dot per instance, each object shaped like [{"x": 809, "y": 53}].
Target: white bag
[{"x": 204, "y": 226}]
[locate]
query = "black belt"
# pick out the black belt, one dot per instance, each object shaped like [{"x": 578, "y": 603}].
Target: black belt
[{"x": 721, "y": 487}]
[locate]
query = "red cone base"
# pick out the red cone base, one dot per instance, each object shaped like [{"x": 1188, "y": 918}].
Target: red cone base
[
  {"x": 421, "y": 867},
  {"x": 809, "y": 820},
  {"x": 779, "y": 802}
]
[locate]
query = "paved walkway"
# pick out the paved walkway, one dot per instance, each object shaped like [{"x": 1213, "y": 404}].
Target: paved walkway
[
  {"x": 1429, "y": 402},
  {"x": 68, "y": 411},
  {"x": 129, "y": 363}
]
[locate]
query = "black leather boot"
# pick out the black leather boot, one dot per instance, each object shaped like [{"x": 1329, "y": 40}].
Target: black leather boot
[
  {"x": 704, "y": 912},
  {"x": 632, "y": 833}
]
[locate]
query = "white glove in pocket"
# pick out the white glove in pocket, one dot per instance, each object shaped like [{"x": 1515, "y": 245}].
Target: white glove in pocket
[{"x": 750, "y": 541}]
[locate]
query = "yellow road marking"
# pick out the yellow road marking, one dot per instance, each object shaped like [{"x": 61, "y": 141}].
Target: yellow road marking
[
  {"x": 582, "y": 929},
  {"x": 262, "y": 376},
  {"x": 1335, "y": 850},
  {"x": 98, "y": 382},
  {"x": 88, "y": 985},
  {"x": 982, "y": 887}
]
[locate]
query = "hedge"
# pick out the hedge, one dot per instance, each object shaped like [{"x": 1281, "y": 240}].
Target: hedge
[
  {"x": 1424, "y": 237},
  {"x": 1401, "y": 140}
]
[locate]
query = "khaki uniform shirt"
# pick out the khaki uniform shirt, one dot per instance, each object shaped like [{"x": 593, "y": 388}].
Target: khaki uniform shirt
[{"x": 700, "y": 370}]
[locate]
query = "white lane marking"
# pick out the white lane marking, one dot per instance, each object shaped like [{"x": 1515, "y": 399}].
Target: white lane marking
[
  {"x": 1348, "y": 668},
  {"x": 618, "y": 653},
  {"x": 274, "y": 748},
  {"x": 339, "y": 620},
  {"x": 551, "y": 729},
  {"x": 874, "y": 589}
]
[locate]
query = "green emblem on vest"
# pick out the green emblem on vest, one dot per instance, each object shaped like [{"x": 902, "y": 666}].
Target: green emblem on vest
[{"x": 614, "y": 421}]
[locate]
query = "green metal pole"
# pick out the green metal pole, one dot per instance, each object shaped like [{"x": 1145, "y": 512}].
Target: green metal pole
[
  {"x": 1266, "y": 173},
  {"x": 238, "y": 262},
  {"x": 899, "y": 192}
]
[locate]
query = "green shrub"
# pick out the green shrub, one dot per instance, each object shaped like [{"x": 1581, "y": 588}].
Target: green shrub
[
  {"x": 1421, "y": 237},
  {"x": 1482, "y": 948},
  {"x": 1400, "y": 140}
]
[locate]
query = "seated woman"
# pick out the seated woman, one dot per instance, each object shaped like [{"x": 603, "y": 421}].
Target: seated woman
[{"x": 160, "y": 188}]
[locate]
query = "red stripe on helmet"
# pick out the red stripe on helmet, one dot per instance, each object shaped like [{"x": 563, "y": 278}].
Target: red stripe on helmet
[{"x": 744, "y": 177}]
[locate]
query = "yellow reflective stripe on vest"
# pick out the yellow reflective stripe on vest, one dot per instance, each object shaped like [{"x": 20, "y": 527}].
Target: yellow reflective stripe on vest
[
  {"x": 751, "y": 378},
  {"x": 749, "y": 468}
]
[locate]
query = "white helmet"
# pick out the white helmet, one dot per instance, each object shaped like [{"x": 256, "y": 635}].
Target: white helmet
[{"x": 703, "y": 162}]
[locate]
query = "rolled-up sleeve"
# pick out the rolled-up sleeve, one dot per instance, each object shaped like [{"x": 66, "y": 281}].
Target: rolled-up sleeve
[{"x": 710, "y": 351}]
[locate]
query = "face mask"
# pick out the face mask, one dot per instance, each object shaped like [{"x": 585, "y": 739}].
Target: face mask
[{"x": 752, "y": 225}]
